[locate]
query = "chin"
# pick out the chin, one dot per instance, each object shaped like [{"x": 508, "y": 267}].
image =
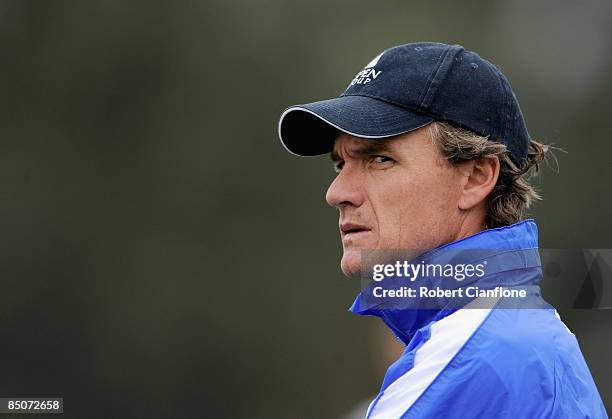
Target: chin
[{"x": 351, "y": 263}]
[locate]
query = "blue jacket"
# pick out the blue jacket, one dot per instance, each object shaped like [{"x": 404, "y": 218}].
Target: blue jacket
[{"x": 513, "y": 361}]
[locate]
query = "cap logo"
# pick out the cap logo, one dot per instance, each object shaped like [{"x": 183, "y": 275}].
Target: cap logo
[
  {"x": 374, "y": 61},
  {"x": 368, "y": 73}
]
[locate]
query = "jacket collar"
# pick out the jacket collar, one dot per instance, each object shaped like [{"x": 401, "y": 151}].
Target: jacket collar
[{"x": 513, "y": 260}]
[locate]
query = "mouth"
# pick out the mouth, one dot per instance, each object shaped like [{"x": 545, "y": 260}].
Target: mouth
[{"x": 352, "y": 230}]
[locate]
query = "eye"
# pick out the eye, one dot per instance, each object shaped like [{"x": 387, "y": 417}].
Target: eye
[{"x": 380, "y": 161}]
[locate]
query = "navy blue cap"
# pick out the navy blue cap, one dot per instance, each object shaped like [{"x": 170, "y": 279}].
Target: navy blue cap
[{"x": 405, "y": 88}]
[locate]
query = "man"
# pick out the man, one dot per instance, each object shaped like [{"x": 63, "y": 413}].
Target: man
[{"x": 430, "y": 147}]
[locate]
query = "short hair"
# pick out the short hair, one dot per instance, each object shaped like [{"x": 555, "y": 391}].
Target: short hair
[{"x": 513, "y": 193}]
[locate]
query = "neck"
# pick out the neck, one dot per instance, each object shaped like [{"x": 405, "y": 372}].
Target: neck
[
  {"x": 472, "y": 222},
  {"x": 512, "y": 261}
]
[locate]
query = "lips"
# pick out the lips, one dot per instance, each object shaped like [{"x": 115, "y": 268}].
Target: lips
[{"x": 348, "y": 228}]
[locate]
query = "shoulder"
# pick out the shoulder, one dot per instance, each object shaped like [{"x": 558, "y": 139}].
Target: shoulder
[
  {"x": 512, "y": 345},
  {"x": 506, "y": 365},
  {"x": 516, "y": 333}
]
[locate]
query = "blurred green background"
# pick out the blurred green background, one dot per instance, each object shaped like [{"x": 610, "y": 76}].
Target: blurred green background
[{"x": 162, "y": 256}]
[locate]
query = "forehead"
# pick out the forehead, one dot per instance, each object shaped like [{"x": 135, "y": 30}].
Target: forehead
[{"x": 348, "y": 144}]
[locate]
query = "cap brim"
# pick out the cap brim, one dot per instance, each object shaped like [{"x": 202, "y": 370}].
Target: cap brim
[{"x": 311, "y": 129}]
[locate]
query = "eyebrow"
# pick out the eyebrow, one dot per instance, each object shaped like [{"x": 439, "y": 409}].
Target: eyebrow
[{"x": 366, "y": 148}]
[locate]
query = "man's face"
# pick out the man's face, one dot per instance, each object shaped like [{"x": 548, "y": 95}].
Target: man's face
[{"x": 393, "y": 194}]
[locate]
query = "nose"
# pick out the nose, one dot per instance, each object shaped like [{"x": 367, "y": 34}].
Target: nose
[{"x": 345, "y": 190}]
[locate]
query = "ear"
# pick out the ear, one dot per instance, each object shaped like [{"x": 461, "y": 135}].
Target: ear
[{"x": 479, "y": 179}]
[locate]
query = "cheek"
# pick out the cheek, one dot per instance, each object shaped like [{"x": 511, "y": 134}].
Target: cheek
[
  {"x": 397, "y": 207},
  {"x": 412, "y": 214},
  {"x": 440, "y": 187}
]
